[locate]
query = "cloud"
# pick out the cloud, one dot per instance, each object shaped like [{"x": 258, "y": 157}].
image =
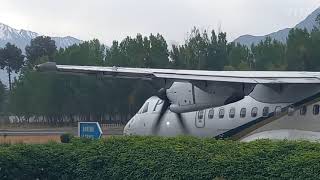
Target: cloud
[{"x": 114, "y": 19}]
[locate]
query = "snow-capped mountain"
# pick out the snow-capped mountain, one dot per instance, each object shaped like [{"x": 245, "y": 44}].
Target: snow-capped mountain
[
  {"x": 309, "y": 23},
  {"x": 22, "y": 37}
]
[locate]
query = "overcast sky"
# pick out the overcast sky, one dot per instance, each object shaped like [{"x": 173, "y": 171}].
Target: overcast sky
[{"x": 110, "y": 20}]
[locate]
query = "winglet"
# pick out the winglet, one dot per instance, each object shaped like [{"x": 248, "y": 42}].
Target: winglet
[{"x": 48, "y": 66}]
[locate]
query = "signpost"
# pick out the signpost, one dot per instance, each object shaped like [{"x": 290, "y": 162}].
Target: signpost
[{"x": 89, "y": 130}]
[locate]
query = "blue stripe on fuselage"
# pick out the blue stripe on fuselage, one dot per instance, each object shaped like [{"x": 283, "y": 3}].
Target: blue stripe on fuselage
[{"x": 250, "y": 124}]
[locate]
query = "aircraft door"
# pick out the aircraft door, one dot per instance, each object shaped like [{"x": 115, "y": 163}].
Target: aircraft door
[{"x": 200, "y": 119}]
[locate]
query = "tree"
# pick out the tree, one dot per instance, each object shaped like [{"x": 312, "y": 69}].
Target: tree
[
  {"x": 239, "y": 57},
  {"x": 201, "y": 51},
  {"x": 177, "y": 57},
  {"x": 11, "y": 59},
  {"x": 269, "y": 55},
  {"x": 39, "y": 47},
  {"x": 297, "y": 54},
  {"x": 157, "y": 51},
  {"x": 114, "y": 57},
  {"x": 313, "y": 63},
  {"x": 87, "y": 53},
  {"x": 197, "y": 49},
  {"x": 3, "y": 95}
]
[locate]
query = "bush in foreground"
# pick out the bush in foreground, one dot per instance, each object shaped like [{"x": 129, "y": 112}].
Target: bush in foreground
[
  {"x": 161, "y": 158},
  {"x": 66, "y": 138}
]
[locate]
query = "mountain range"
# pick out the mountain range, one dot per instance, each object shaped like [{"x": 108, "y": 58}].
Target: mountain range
[
  {"x": 22, "y": 37},
  {"x": 309, "y": 23}
]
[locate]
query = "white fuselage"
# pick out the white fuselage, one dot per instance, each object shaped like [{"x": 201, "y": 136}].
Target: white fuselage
[{"x": 238, "y": 119}]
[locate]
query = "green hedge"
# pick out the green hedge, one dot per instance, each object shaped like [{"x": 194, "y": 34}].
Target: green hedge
[{"x": 161, "y": 158}]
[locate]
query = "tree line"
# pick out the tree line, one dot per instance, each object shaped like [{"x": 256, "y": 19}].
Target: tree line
[{"x": 56, "y": 98}]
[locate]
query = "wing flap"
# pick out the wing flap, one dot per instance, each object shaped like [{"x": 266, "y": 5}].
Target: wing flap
[{"x": 205, "y": 78}]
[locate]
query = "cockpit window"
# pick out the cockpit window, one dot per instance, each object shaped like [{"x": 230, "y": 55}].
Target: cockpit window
[
  {"x": 145, "y": 108},
  {"x": 159, "y": 102}
]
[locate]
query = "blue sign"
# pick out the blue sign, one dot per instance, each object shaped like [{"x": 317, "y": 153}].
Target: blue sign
[{"x": 89, "y": 130}]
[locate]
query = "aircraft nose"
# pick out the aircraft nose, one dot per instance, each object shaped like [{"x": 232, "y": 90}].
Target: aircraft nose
[{"x": 126, "y": 129}]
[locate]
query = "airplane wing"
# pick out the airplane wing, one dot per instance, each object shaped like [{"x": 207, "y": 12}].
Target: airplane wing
[{"x": 251, "y": 77}]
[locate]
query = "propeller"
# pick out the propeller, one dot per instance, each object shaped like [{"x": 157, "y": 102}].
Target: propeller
[{"x": 162, "y": 94}]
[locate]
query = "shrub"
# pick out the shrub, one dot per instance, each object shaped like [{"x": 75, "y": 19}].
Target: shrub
[
  {"x": 161, "y": 158},
  {"x": 66, "y": 138}
]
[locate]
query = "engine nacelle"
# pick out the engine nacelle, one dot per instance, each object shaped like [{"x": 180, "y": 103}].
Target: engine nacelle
[{"x": 188, "y": 97}]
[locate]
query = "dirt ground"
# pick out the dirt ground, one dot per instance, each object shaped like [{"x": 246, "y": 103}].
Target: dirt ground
[
  {"x": 32, "y": 139},
  {"x": 29, "y": 139}
]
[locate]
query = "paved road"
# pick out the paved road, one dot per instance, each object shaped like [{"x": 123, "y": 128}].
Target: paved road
[
  {"x": 118, "y": 130},
  {"x": 26, "y": 133}
]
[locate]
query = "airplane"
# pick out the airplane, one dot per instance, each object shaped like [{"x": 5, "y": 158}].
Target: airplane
[{"x": 238, "y": 105}]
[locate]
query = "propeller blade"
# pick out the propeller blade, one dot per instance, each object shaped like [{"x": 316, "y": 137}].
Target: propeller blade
[
  {"x": 164, "y": 108},
  {"x": 182, "y": 124}
]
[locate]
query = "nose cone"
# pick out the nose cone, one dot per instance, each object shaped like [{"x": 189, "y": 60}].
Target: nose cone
[{"x": 128, "y": 129}]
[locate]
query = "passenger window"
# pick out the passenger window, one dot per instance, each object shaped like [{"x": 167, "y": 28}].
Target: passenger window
[
  {"x": 303, "y": 111},
  {"x": 200, "y": 114},
  {"x": 145, "y": 108},
  {"x": 243, "y": 112},
  {"x": 211, "y": 114},
  {"x": 316, "y": 109},
  {"x": 221, "y": 113},
  {"x": 265, "y": 112},
  {"x": 290, "y": 111},
  {"x": 232, "y": 112},
  {"x": 254, "y": 112},
  {"x": 277, "y": 111}
]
